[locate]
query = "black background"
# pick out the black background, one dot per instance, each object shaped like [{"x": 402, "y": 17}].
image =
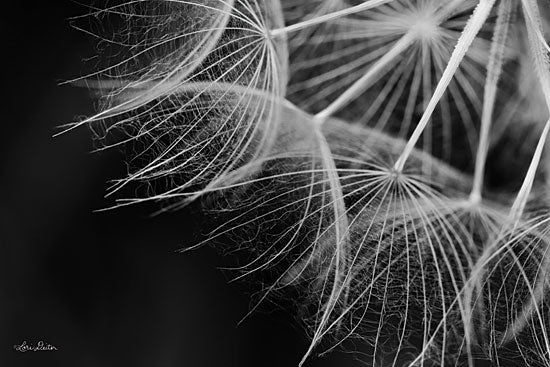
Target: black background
[{"x": 107, "y": 288}]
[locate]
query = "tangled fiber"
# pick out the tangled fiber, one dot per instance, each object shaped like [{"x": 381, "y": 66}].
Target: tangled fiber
[{"x": 353, "y": 152}]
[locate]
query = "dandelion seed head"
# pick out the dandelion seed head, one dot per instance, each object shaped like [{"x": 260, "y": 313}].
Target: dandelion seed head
[{"x": 319, "y": 176}]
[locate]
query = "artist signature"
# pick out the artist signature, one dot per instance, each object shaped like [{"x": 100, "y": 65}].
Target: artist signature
[{"x": 40, "y": 346}]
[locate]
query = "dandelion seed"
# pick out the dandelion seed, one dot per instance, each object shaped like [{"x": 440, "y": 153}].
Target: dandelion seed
[
  {"x": 379, "y": 66},
  {"x": 202, "y": 107}
]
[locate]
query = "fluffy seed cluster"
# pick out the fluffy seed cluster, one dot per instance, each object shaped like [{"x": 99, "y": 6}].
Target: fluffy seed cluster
[{"x": 383, "y": 161}]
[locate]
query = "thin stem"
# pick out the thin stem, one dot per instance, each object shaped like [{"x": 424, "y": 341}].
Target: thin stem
[
  {"x": 476, "y": 21},
  {"x": 494, "y": 71},
  {"x": 327, "y": 17},
  {"x": 362, "y": 83},
  {"x": 523, "y": 194},
  {"x": 341, "y": 231}
]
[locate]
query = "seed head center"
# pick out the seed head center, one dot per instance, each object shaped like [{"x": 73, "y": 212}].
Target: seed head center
[{"x": 425, "y": 27}]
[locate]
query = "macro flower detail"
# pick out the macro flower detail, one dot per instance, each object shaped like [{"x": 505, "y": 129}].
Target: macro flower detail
[{"x": 348, "y": 150}]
